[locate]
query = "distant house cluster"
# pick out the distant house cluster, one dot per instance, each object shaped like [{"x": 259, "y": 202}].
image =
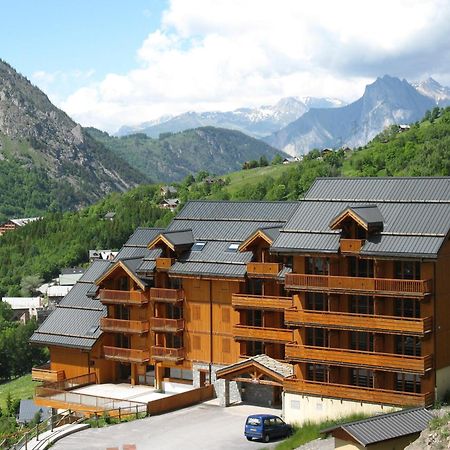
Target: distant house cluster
[{"x": 169, "y": 201}]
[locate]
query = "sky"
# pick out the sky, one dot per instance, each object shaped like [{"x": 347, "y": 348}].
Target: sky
[{"x": 109, "y": 63}]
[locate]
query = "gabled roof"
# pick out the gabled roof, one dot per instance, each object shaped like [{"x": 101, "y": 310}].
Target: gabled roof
[
  {"x": 367, "y": 216},
  {"x": 385, "y": 427},
  {"x": 268, "y": 234},
  {"x": 129, "y": 266},
  {"x": 175, "y": 240},
  {"x": 142, "y": 236}
]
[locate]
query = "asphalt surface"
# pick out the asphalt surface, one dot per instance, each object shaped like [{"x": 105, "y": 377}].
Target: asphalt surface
[{"x": 204, "y": 426}]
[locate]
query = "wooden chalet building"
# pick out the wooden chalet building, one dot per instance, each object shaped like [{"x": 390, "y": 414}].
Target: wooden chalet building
[{"x": 335, "y": 304}]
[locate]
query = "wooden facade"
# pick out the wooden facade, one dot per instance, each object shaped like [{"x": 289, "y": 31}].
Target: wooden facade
[{"x": 353, "y": 326}]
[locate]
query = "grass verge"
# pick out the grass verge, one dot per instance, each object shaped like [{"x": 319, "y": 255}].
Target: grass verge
[
  {"x": 20, "y": 388},
  {"x": 311, "y": 430}
]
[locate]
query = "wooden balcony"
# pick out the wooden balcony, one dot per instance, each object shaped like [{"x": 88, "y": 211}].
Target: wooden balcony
[
  {"x": 249, "y": 333},
  {"x": 271, "y": 303},
  {"x": 167, "y": 354},
  {"x": 128, "y": 355},
  {"x": 263, "y": 270},
  {"x": 115, "y": 297},
  {"x": 164, "y": 263},
  {"x": 124, "y": 326},
  {"x": 43, "y": 373},
  {"x": 363, "y": 322},
  {"x": 351, "y": 245},
  {"x": 360, "y": 394},
  {"x": 358, "y": 358},
  {"x": 163, "y": 325},
  {"x": 167, "y": 295},
  {"x": 358, "y": 285}
]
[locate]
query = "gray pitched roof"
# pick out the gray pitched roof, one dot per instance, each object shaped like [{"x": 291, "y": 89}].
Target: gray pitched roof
[
  {"x": 387, "y": 426},
  {"x": 143, "y": 236},
  {"x": 241, "y": 211},
  {"x": 179, "y": 238},
  {"x": 408, "y": 225},
  {"x": 28, "y": 409},
  {"x": 94, "y": 271},
  {"x": 387, "y": 189},
  {"x": 131, "y": 252},
  {"x": 217, "y": 251},
  {"x": 369, "y": 214},
  {"x": 77, "y": 298},
  {"x": 225, "y": 270}
]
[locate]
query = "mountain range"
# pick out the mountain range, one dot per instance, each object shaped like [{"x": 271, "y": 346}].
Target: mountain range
[
  {"x": 255, "y": 122},
  {"x": 387, "y": 101}
]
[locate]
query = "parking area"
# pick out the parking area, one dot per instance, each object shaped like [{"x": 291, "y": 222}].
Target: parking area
[{"x": 204, "y": 426}]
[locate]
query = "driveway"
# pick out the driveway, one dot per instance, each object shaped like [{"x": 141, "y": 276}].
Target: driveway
[{"x": 204, "y": 426}]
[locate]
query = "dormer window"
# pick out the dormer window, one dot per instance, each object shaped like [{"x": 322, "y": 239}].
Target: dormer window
[
  {"x": 358, "y": 222},
  {"x": 198, "y": 246}
]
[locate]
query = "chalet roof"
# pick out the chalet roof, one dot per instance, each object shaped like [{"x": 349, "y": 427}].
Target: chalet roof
[
  {"x": 28, "y": 410},
  {"x": 240, "y": 211},
  {"x": 381, "y": 189},
  {"x": 95, "y": 270},
  {"x": 148, "y": 264},
  {"x": 408, "y": 225},
  {"x": 369, "y": 215},
  {"x": 24, "y": 221},
  {"x": 201, "y": 269},
  {"x": 110, "y": 215},
  {"x": 387, "y": 426},
  {"x": 131, "y": 252},
  {"x": 143, "y": 236},
  {"x": 179, "y": 238}
]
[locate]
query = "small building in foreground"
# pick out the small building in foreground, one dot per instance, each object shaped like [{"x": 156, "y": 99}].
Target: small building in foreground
[{"x": 385, "y": 432}]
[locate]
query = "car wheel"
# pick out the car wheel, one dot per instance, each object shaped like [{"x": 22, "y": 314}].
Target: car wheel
[
  {"x": 266, "y": 438},
  {"x": 249, "y": 438}
]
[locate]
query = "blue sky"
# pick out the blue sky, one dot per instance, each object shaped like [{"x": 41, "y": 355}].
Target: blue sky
[
  {"x": 113, "y": 63},
  {"x": 93, "y": 37}
]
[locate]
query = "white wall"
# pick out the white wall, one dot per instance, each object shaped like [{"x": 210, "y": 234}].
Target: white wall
[{"x": 300, "y": 409}]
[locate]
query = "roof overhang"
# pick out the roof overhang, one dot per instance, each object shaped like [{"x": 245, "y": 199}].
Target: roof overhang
[
  {"x": 352, "y": 213},
  {"x": 250, "y": 241},
  {"x": 120, "y": 265},
  {"x": 161, "y": 239}
]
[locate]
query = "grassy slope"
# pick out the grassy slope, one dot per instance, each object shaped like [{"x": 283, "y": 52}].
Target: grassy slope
[{"x": 21, "y": 388}]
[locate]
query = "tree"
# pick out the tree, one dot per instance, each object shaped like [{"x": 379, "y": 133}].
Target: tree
[
  {"x": 29, "y": 284},
  {"x": 263, "y": 161},
  {"x": 277, "y": 159}
]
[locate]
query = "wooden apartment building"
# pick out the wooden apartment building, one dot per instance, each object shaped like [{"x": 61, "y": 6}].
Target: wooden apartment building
[{"x": 337, "y": 303}]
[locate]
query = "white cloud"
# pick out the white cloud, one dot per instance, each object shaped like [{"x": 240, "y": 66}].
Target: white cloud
[{"x": 229, "y": 53}]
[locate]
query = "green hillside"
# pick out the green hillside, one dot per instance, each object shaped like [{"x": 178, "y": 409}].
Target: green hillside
[{"x": 176, "y": 155}]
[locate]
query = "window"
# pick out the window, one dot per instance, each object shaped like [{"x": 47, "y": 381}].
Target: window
[
  {"x": 317, "y": 266},
  {"x": 407, "y": 382},
  {"x": 317, "y": 337},
  {"x": 233, "y": 248},
  {"x": 225, "y": 314},
  {"x": 407, "y": 270},
  {"x": 196, "y": 342},
  {"x": 361, "y": 377},
  {"x": 226, "y": 345},
  {"x": 361, "y": 304},
  {"x": 255, "y": 286},
  {"x": 408, "y": 345},
  {"x": 316, "y": 301},
  {"x": 198, "y": 246},
  {"x": 360, "y": 267},
  {"x": 407, "y": 307},
  {"x": 359, "y": 340},
  {"x": 123, "y": 284},
  {"x": 254, "y": 318},
  {"x": 317, "y": 372},
  {"x": 174, "y": 311},
  {"x": 255, "y": 348},
  {"x": 174, "y": 340}
]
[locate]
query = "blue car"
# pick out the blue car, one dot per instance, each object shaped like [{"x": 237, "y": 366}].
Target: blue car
[{"x": 266, "y": 427}]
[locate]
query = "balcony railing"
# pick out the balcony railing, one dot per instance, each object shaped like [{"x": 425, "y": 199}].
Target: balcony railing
[
  {"x": 167, "y": 354},
  {"x": 166, "y": 295},
  {"x": 250, "y": 333},
  {"x": 115, "y": 297},
  {"x": 129, "y": 355},
  {"x": 164, "y": 263},
  {"x": 357, "y": 393},
  {"x": 351, "y": 245},
  {"x": 373, "y": 286},
  {"x": 359, "y": 358},
  {"x": 263, "y": 270},
  {"x": 43, "y": 373},
  {"x": 124, "y": 326},
  {"x": 273, "y": 303},
  {"x": 163, "y": 325},
  {"x": 365, "y": 322}
]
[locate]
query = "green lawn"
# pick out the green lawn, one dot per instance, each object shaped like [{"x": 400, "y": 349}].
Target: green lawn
[
  {"x": 254, "y": 176},
  {"x": 21, "y": 388}
]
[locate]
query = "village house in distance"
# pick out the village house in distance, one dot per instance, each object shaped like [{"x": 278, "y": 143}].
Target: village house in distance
[{"x": 335, "y": 304}]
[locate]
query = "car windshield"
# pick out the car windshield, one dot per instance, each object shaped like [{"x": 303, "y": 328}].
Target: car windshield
[{"x": 253, "y": 421}]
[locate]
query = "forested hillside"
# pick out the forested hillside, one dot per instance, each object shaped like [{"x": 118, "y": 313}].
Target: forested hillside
[{"x": 60, "y": 240}]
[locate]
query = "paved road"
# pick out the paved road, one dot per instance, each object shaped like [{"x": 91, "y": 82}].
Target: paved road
[{"x": 205, "y": 426}]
